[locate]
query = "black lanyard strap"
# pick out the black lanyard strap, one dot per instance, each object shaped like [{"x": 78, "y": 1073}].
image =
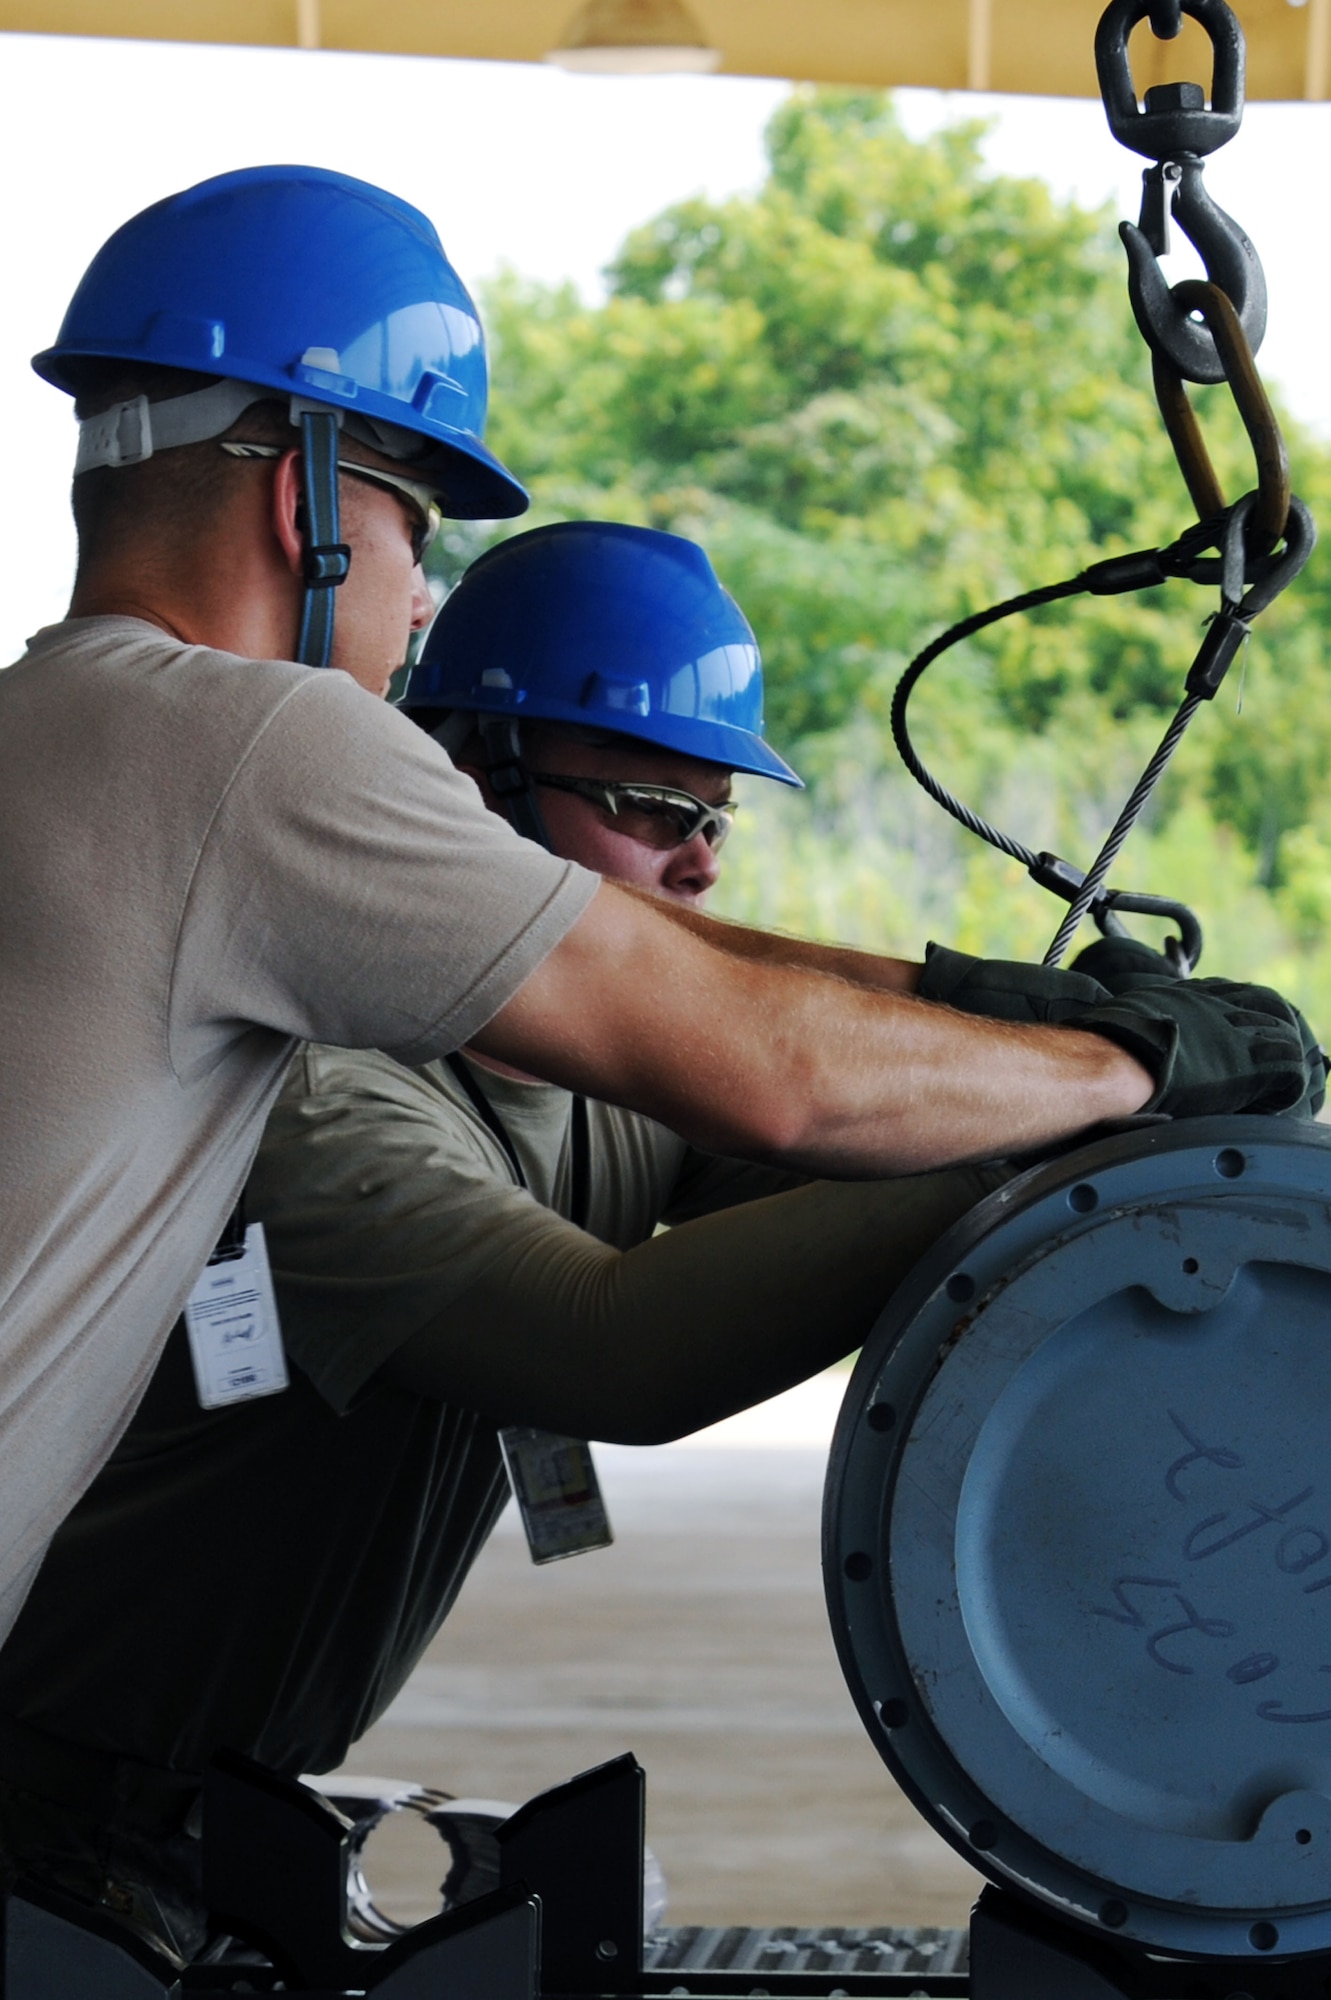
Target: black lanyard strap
[
  {"x": 231, "y": 1243},
  {"x": 581, "y": 1163},
  {"x": 579, "y": 1135}
]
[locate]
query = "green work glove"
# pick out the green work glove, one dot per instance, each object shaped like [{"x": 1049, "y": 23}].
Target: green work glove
[
  {"x": 1124, "y": 965},
  {"x": 1314, "y": 1055},
  {"x": 1119, "y": 962},
  {"x": 1004, "y": 988},
  {"x": 1213, "y": 1045}
]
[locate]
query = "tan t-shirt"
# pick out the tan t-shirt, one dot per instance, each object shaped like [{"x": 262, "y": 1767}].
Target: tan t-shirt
[{"x": 202, "y": 860}]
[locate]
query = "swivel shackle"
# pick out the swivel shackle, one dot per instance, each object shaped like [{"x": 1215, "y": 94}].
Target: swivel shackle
[{"x": 1175, "y": 119}]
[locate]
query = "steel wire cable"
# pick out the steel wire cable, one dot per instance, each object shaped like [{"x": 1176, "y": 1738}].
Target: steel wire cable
[
  {"x": 1027, "y": 601},
  {"x": 1091, "y": 888},
  {"x": 1123, "y": 826}
]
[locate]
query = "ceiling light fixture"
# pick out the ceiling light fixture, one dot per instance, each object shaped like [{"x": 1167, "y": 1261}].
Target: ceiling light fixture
[{"x": 634, "y": 38}]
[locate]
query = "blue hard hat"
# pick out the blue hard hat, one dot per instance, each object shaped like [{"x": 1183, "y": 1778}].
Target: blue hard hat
[
  {"x": 610, "y": 627},
  {"x": 307, "y": 283}
]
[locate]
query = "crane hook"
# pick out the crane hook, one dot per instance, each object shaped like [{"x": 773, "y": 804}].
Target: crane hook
[{"x": 1175, "y": 129}]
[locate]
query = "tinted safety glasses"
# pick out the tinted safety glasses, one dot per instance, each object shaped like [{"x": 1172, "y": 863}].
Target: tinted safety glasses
[
  {"x": 426, "y": 511},
  {"x": 656, "y": 815}
]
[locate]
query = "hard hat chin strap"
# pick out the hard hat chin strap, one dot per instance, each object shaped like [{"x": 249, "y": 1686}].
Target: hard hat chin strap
[
  {"x": 326, "y": 560},
  {"x": 509, "y": 781}
]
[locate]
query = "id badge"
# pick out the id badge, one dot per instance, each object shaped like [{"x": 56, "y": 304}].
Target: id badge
[
  {"x": 231, "y": 1315},
  {"x": 558, "y": 1493}
]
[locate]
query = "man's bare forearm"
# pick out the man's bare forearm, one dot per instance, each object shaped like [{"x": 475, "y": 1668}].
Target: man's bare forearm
[
  {"x": 772, "y": 1061},
  {"x": 862, "y": 968}
]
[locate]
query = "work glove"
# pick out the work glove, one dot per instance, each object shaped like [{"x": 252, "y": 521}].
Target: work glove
[
  {"x": 1124, "y": 965},
  {"x": 1314, "y": 1055},
  {"x": 1213, "y": 1045},
  {"x": 1120, "y": 962},
  {"x": 1005, "y": 989}
]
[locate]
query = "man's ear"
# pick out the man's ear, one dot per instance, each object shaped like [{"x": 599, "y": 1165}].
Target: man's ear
[{"x": 288, "y": 502}]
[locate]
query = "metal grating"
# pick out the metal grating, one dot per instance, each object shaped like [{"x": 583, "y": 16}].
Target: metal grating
[{"x": 788, "y": 1948}]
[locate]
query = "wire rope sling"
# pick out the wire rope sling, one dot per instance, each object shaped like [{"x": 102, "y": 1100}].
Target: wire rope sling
[{"x": 1202, "y": 331}]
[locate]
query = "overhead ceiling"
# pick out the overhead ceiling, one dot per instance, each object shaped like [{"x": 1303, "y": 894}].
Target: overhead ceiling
[{"x": 1042, "y": 47}]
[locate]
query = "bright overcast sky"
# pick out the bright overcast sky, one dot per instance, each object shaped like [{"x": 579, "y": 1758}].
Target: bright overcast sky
[{"x": 515, "y": 164}]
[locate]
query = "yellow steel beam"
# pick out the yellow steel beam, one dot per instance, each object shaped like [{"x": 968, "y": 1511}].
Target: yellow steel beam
[{"x": 1038, "y": 46}]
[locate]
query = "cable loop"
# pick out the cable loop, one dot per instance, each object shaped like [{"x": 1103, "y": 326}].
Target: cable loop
[{"x": 1253, "y": 405}]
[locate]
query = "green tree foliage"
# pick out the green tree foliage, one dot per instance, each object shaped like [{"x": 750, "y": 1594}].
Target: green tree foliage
[{"x": 884, "y": 391}]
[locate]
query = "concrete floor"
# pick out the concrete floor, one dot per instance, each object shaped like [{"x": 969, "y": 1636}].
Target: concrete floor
[{"x": 700, "y": 1643}]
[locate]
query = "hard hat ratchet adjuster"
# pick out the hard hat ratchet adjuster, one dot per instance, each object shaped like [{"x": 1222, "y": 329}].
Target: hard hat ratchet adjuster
[{"x": 508, "y": 778}]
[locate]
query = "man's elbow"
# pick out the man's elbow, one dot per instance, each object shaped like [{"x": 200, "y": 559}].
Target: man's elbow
[{"x": 777, "y": 1115}]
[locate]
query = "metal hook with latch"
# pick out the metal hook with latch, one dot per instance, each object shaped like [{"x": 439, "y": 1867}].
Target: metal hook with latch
[
  {"x": 1176, "y": 129},
  {"x": 1175, "y": 188}
]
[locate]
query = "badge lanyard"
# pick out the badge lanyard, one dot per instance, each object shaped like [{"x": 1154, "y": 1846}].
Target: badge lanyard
[{"x": 553, "y": 1477}]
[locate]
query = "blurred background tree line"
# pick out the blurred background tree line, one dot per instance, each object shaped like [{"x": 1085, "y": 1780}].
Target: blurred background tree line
[{"x": 885, "y": 391}]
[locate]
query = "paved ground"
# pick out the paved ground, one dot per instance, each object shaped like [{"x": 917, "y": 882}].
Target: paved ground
[{"x": 699, "y": 1642}]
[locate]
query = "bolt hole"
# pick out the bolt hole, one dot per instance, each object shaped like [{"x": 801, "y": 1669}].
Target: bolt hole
[
  {"x": 1229, "y": 1164},
  {"x": 1083, "y": 1198},
  {"x": 858, "y": 1566},
  {"x": 960, "y": 1287},
  {"x": 894, "y": 1714},
  {"x": 1303, "y": 1836},
  {"x": 607, "y": 1948},
  {"x": 984, "y": 1835},
  {"x": 1263, "y": 1937},
  {"x": 1113, "y": 1914},
  {"x": 1191, "y": 1266},
  {"x": 880, "y": 1416}
]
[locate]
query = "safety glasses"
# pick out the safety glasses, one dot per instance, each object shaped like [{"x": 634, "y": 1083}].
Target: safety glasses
[
  {"x": 657, "y": 815},
  {"x": 421, "y": 499}
]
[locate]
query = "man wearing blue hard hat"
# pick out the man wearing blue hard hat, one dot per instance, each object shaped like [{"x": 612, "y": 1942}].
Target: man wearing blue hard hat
[
  {"x": 213, "y": 852},
  {"x": 467, "y": 1279}
]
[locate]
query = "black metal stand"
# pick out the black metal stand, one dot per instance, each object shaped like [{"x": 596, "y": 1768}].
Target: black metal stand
[
  {"x": 1020, "y": 1953},
  {"x": 579, "y": 1850},
  {"x": 565, "y": 1924}
]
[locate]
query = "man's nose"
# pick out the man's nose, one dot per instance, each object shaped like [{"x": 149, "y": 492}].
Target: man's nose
[
  {"x": 422, "y": 603},
  {"x": 692, "y": 869}
]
